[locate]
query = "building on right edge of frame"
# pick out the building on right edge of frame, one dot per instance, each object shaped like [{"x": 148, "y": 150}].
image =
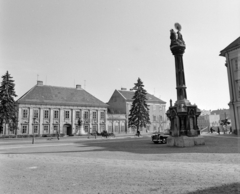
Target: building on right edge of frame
[{"x": 232, "y": 55}]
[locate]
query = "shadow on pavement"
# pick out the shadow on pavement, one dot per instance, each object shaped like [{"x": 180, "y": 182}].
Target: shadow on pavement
[
  {"x": 233, "y": 188},
  {"x": 137, "y": 146}
]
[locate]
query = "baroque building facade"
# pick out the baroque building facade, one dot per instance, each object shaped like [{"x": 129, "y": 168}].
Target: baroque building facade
[
  {"x": 232, "y": 55},
  {"x": 47, "y": 110},
  {"x": 119, "y": 108}
]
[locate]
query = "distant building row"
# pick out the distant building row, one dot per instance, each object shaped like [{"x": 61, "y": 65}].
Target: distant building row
[{"x": 48, "y": 109}]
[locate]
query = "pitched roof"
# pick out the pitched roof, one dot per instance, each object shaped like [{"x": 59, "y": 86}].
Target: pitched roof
[
  {"x": 53, "y": 95},
  {"x": 128, "y": 95},
  {"x": 114, "y": 111},
  {"x": 234, "y": 45}
]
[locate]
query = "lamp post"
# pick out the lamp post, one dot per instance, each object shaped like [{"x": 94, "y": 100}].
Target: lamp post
[
  {"x": 112, "y": 123},
  {"x": 33, "y": 137}
]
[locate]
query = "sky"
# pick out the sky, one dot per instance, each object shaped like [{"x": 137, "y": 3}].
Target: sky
[{"x": 105, "y": 45}]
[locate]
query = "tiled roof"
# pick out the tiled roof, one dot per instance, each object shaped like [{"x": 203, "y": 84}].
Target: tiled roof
[
  {"x": 234, "y": 45},
  {"x": 128, "y": 95},
  {"x": 114, "y": 111},
  {"x": 52, "y": 95}
]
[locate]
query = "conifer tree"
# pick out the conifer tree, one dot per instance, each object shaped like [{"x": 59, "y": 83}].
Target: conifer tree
[
  {"x": 139, "y": 113},
  {"x": 8, "y": 110}
]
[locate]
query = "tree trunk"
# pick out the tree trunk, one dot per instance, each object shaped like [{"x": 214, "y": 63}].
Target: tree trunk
[{"x": 5, "y": 129}]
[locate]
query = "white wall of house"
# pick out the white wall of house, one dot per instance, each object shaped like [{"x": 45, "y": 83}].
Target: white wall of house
[
  {"x": 50, "y": 118},
  {"x": 233, "y": 70}
]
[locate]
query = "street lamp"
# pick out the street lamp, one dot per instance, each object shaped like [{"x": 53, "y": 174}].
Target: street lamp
[{"x": 33, "y": 137}]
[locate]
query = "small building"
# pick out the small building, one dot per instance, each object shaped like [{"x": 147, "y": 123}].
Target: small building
[
  {"x": 48, "y": 109},
  {"x": 121, "y": 102},
  {"x": 203, "y": 121},
  {"x": 232, "y": 55},
  {"x": 116, "y": 121},
  {"x": 205, "y": 112},
  {"x": 214, "y": 120}
]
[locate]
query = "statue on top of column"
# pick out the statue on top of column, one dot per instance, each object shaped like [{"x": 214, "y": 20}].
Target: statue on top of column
[{"x": 176, "y": 38}]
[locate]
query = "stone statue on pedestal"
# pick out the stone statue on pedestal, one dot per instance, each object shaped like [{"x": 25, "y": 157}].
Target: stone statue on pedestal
[{"x": 183, "y": 115}]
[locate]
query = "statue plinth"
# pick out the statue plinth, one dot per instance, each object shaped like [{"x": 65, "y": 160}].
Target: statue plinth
[{"x": 183, "y": 115}]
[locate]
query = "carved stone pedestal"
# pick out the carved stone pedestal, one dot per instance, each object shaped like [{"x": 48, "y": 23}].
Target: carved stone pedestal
[
  {"x": 185, "y": 141},
  {"x": 199, "y": 140},
  {"x": 181, "y": 141}
]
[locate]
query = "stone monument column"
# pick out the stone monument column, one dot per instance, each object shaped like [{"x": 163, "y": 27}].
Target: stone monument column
[{"x": 183, "y": 115}]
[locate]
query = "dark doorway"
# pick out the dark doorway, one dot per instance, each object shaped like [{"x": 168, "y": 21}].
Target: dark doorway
[{"x": 68, "y": 129}]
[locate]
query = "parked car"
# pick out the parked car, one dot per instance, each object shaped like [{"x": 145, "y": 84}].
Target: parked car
[
  {"x": 106, "y": 134},
  {"x": 159, "y": 138}
]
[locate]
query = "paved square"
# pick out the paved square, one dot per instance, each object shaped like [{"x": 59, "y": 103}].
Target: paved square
[{"x": 120, "y": 166}]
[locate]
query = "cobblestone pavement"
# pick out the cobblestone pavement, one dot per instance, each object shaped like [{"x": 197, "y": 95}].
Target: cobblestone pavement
[{"x": 126, "y": 166}]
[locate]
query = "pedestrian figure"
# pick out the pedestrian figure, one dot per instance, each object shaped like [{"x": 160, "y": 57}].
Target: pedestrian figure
[
  {"x": 211, "y": 130},
  {"x": 218, "y": 130},
  {"x": 230, "y": 130},
  {"x": 58, "y": 135},
  {"x": 138, "y": 133}
]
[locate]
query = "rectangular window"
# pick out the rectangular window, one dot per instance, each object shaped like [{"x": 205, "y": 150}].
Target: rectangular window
[
  {"x": 238, "y": 87},
  {"x": 102, "y": 115},
  {"x": 160, "y": 117},
  {"x": 154, "y": 128},
  {"x": 67, "y": 114},
  {"x": 236, "y": 64},
  {"x": 94, "y": 128},
  {"x": 56, "y": 114},
  {"x": 160, "y": 107},
  {"x": 86, "y": 128},
  {"x": 25, "y": 113},
  {"x": 148, "y": 128},
  {"x": 102, "y": 128},
  {"x": 35, "y": 128},
  {"x": 86, "y": 115},
  {"x": 46, "y": 114},
  {"x": 154, "y": 118},
  {"x": 77, "y": 114},
  {"x": 116, "y": 128},
  {"x": 154, "y": 107},
  {"x": 35, "y": 114},
  {"x": 94, "y": 115},
  {"x": 24, "y": 129},
  {"x": 55, "y": 128},
  {"x": 45, "y": 128}
]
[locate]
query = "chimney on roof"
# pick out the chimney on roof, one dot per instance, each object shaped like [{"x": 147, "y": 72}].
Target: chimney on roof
[
  {"x": 39, "y": 83},
  {"x": 123, "y": 88},
  {"x": 78, "y": 87}
]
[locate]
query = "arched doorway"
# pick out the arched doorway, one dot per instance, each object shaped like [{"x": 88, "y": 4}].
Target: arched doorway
[{"x": 68, "y": 129}]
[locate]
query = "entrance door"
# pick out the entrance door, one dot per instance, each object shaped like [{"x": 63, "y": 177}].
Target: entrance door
[{"x": 68, "y": 129}]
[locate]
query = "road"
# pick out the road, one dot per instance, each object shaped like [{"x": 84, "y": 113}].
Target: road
[{"x": 120, "y": 165}]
